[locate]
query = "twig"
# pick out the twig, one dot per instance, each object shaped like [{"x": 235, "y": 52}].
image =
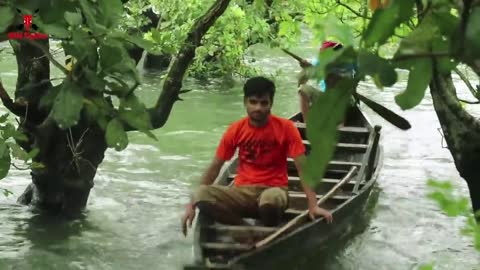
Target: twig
[
  {"x": 352, "y": 10},
  {"x": 49, "y": 56},
  {"x": 18, "y": 168},
  {"x": 467, "y": 82},
  {"x": 443, "y": 137},
  {"x": 468, "y": 102}
]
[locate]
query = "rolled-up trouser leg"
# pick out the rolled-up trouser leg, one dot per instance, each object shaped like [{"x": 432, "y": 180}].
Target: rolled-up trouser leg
[
  {"x": 226, "y": 204},
  {"x": 272, "y": 204}
]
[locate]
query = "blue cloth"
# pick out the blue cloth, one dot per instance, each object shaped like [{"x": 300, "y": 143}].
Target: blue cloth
[
  {"x": 345, "y": 69},
  {"x": 321, "y": 84}
]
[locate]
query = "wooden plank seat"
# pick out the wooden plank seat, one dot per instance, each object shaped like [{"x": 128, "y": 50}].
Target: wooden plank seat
[
  {"x": 348, "y": 129},
  {"x": 346, "y": 134},
  {"x": 332, "y": 165},
  {"x": 226, "y": 247},
  {"x": 242, "y": 232},
  {"x": 353, "y": 147}
]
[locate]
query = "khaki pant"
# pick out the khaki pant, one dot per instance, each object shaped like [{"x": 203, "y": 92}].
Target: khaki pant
[{"x": 243, "y": 200}]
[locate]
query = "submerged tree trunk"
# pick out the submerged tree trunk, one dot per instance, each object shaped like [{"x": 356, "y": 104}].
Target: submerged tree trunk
[
  {"x": 71, "y": 157},
  {"x": 461, "y": 131}
]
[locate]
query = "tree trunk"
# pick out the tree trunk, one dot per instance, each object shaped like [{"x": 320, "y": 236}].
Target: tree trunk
[
  {"x": 461, "y": 131},
  {"x": 71, "y": 157}
]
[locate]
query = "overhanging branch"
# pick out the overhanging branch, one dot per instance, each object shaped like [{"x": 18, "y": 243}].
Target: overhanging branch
[
  {"x": 468, "y": 102},
  {"x": 467, "y": 82},
  {"x": 15, "y": 108},
  {"x": 173, "y": 82},
  {"x": 352, "y": 10}
]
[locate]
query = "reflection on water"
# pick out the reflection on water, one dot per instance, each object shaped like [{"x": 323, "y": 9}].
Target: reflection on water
[{"x": 132, "y": 221}]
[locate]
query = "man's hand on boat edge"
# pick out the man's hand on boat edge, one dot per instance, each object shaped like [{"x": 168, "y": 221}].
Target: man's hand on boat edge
[
  {"x": 188, "y": 218},
  {"x": 318, "y": 211}
]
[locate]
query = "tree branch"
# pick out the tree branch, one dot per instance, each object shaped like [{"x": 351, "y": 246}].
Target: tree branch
[
  {"x": 468, "y": 102},
  {"x": 173, "y": 82},
  {"x": 352, "y": 10},
  {"x": 467, "y": 82},
  {"x": 15, "y": 108}
]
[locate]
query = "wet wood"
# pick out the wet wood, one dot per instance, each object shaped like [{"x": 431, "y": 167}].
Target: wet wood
[
  {"x": 226, "y": 246},
  {"x": 301, "y": 218}
]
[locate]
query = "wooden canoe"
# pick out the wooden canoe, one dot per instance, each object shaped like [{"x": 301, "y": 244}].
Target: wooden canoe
[{"x": 218, "y": 246}]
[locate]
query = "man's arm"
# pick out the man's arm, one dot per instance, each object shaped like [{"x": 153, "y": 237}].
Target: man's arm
[
  {"x": 212, "y": 171},
  {"x": 311, "y": 195},
  {"x": 313, "y": 209},
  {"x": 208, "y": 177}
]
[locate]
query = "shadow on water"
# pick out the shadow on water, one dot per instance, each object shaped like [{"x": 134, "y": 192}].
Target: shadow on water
[{"x": 50, "y": 230}]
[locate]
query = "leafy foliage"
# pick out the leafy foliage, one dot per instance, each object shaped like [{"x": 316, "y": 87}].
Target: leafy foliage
[
  {"x": 102, "y": 66},
  {"x": 429, "y": 36},
  {"x": 442, "y": 192},
  {"x": 10, "y": 149}
]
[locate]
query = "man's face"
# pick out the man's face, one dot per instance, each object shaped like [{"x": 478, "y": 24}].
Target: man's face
[{"x": 258, "y": 107}]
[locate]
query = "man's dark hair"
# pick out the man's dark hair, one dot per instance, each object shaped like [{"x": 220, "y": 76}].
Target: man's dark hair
[{"x": 259, "y": 86}]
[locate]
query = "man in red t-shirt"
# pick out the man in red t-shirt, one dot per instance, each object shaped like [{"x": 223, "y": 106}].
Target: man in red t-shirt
[{"x": 260, "y": 187}]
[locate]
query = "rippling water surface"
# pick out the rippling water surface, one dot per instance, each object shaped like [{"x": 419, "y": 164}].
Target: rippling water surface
[{"x": 132, "y": 221}]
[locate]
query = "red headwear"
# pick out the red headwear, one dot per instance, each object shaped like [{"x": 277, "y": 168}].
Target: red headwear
[{"x": 328, "y": 44}]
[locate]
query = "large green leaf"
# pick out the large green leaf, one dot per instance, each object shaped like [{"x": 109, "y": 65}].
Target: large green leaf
[
  {"x": 6, "y": 18},
  {"x": 327, "y": 112},
  {"x": 47, "y": 100},
  {"x": 384, "y": 21},
  {"x": 419, "y": 40},
  {"x": 8, "y": 131},
  {"x": 446, "y": 22},
  {"x": 335, "y": 28},
  {"x": 18, "y": 152},
  {"x": 95, "y": 80},
  {"x": 444, "y": 64},
  {"x": 53, "y": 11},
  {"x": 3, "y": 118},
  {"x": 473, "y": 34},
  {"x": 112, "y": 11},
  {"x": 55, "y": 30},
  {"x": 73, "y": 18},
  {"x": 5, "y": 160},
  {"x": 381, "y": 70},
  {"x": 135, "y": 39},
  {"x": 87, "y": 49},
  {"x": 68, "y": 104},
  {"x": 115, "y": 135},
  {"x": 110, "y": 55},
  {"x": 418, "y": 80},
  {"x": 88, "y": 12},
  {"x": 134, "y": 113}
]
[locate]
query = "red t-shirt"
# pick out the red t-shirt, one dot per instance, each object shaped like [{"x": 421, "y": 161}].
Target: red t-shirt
[{"x": 263, "y": 151}]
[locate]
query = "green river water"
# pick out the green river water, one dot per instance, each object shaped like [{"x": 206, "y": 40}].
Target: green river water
[{"x": 133, "y": 216}]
